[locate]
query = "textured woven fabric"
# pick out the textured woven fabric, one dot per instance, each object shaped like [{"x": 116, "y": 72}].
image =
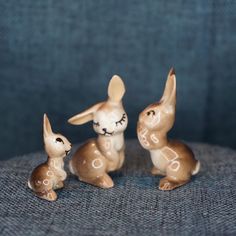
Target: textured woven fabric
[
  {"x": 135, "y": 206},
  {"x": 58, "y": 56}
]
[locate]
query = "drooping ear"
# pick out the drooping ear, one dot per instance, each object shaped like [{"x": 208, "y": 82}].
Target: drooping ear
[
  {"x": 47, "y": 129},
  {"x": 169, "y": 95},
  {"x": 116, "y": 89},
  {"x": 84, "y": 116}
]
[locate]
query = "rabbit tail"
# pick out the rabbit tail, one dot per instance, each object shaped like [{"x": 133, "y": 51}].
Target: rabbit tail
[{"x": 197, "y": 168}]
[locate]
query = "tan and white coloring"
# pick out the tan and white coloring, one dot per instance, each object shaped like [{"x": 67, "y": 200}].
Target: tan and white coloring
[
  {"x": 172, "y": 159},
  {"x": 98, "y": 156},
  {"x": 50, "y": 175}
]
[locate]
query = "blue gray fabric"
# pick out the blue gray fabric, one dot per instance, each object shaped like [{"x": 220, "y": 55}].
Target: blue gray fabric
[
  {"x": 135, "y": 206},
  {"x": 58, "y": 56}
]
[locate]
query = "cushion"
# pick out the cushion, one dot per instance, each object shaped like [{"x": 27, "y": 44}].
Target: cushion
[{"x": 134, "y": 206}]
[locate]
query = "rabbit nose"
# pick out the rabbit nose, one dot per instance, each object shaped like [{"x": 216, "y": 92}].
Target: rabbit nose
[{"x": 104, "y": 129}]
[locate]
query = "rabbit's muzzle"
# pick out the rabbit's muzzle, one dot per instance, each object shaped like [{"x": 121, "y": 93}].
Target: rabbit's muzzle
[{"x": 106, "y": 133}]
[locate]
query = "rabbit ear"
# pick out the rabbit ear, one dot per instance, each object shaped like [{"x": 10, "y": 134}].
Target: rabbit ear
[
  {"x": 47, "y": 129},
  {"x": 84, "y": 116},
  {"x": 169, "y": 95},
  {"x": 116, "y": 89}
]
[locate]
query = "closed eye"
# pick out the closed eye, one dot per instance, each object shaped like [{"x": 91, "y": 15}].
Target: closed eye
[
  {"x": 121, "y": 120},
  {"x": 96, "y": 123},
  {"x": 59, "y": 140}
]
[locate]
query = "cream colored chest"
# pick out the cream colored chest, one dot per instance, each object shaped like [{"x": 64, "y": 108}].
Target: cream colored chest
[
  {"x": 118, "y": 142},
  {"x": 58, "y": 169},
  {"x": 161, "y": 158}
]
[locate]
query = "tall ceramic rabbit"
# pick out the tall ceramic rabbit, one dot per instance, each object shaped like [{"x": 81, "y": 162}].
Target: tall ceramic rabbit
[
  {"x": 170, "y": 158},
  {"x": 50, "y": 175},
  {"x": 98, "y": 156}
]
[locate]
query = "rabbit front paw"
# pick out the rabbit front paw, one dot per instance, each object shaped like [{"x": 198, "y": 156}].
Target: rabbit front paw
[
  {"x": 156, "y": 171},
  {"x": 59, "y": 185}
]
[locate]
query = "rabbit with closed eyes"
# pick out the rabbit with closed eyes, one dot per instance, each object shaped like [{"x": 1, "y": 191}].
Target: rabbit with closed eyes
[
  {"x": 171, "y": 158},
  {"x": 98, "y": 156}
]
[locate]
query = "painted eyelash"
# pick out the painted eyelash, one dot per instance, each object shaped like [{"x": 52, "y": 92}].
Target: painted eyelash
[
  {"x": 96, "y": 123},
  {"x": 121, "y": 120}
]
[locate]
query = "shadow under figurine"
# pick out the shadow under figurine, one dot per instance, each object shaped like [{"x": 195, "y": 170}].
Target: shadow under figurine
[
  {"x": 98, "y": 156},
  {"x": 50, "y": 175},
  {"x": 171, "y": 158}
]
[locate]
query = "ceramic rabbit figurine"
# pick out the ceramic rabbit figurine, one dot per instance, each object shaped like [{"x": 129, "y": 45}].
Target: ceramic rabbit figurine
[
  {"x": 173, "y": 159},
  {"x": 98, "y": 156},
  {"x": 50, "y": 175}
]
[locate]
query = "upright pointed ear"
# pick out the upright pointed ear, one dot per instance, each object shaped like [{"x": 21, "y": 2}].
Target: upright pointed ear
[
  {"x": 47, "y": 129},
  {"x": 116, "y": 89},
  {"x": 84, "y": 116},
  {"x": 169, "y": 95}
]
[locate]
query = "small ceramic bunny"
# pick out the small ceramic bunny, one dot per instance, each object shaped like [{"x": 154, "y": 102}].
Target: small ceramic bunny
[
  {"x": 50, "y": 175},
  {"x": 98, "y": 156},
  {"x": 173, "y": 159}
]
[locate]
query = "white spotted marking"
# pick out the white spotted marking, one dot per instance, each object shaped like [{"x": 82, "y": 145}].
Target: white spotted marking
[
  {"x": 97, "y": 163},
  {"x": 170, "y": 151},
  {"x": 175, "y": 165},
  {"x": 46, "y": 182},
  {"x": 49, "y": 173},
  {"x": 171, "y": 156},
  {"x": 143, "y": 134},
  {"x": 154, "y": 138}
]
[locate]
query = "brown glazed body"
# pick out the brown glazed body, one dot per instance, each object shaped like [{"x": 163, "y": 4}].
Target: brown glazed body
[
  {"x": 171, "y": 158},
  {"x": 98, "y": 156},
  {"x": 50, "y": 175}
]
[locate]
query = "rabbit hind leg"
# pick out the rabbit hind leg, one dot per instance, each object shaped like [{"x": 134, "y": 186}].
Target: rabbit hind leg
[
  {"x": 177, "y": 174},
  {"x": 103, "y": 181},
  {"x": 49, "y": 195},
  {"x": 168, "y": 183}
]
